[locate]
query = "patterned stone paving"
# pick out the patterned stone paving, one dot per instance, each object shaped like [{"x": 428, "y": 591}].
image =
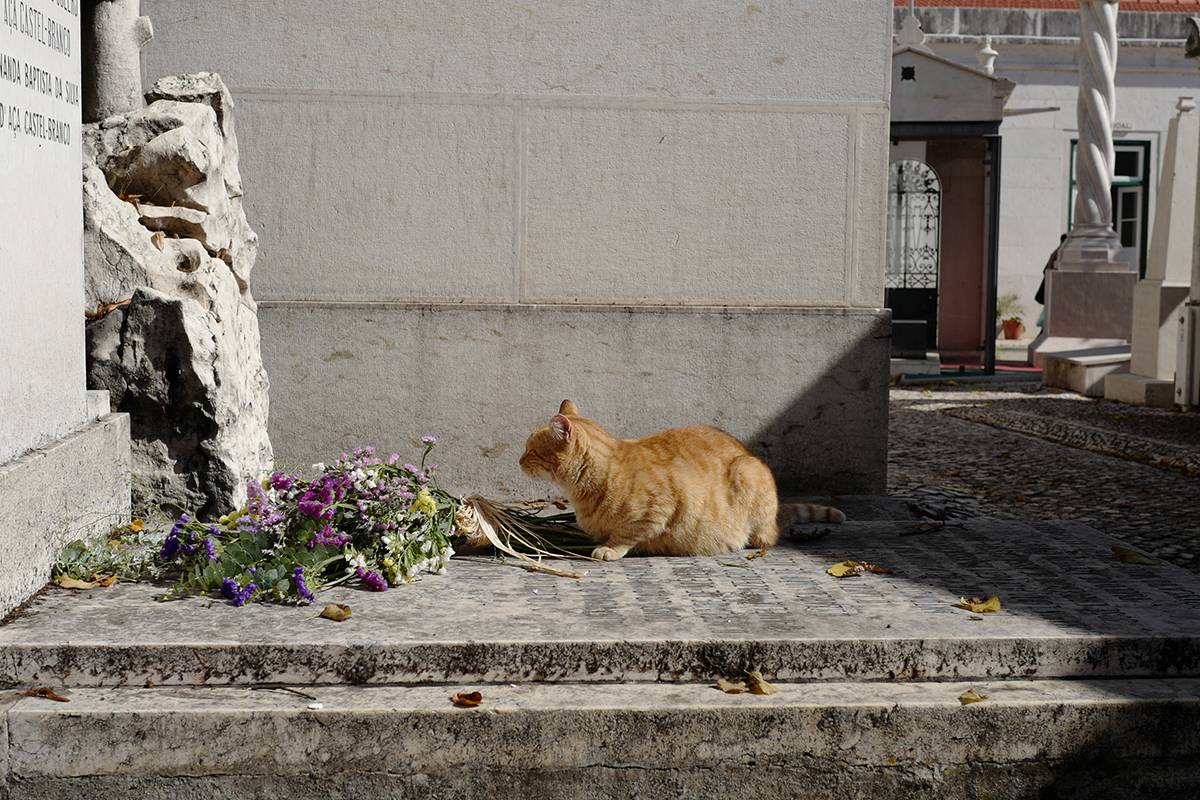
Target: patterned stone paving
[
  {"x": 1027, "y": 453},
  {"x": 1070, "y": 609}
]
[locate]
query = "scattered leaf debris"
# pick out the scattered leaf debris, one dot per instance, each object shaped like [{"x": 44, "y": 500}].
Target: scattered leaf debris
[
  {"x": 753, "y": 683},
  {"x": 757, "y": 685},
  {"x": 159, "y": 239},
  {"x": 466, "y": 699},
  {"x": 979, "y": 605},
  {"x": 852, "y": 569},
  {"x": 47, "y": 694},
  {"x": 972, "y": 696},
  {"x": 1127, "y": 555},
  {"x": 67, "y": 582},
  {"x": 759, "y": 553},
  {"x": 338, "y": 612}
]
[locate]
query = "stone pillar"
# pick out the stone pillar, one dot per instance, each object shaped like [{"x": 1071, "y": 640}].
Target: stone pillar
[
  {"x": 1089, "y": 294},
  {"x": 114, "y": 34},
  {"x": 1187, "y": 350},
  {"x": 1158, "y": 299}
]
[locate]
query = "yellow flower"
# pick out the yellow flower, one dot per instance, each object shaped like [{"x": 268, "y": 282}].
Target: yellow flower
[{"x": 425, "y": 503}]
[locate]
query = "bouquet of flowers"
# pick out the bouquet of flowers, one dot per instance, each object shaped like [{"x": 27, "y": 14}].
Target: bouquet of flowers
[{"x": 361, "y": 520}]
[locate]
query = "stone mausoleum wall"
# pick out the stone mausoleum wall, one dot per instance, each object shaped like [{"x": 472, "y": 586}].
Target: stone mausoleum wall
[
  {"x": 469, "y": 210},
  {"x": 64, "y": 459}
]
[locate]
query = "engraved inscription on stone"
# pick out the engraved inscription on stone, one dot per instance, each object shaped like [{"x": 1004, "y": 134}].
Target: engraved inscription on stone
[{"x": 39, "y": 74}]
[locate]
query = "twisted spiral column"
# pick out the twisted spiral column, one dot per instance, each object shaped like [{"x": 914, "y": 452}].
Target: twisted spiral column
[{"x": 1096, "y": 109}]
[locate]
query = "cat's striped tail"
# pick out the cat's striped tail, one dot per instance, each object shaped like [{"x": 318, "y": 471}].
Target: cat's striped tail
[{"x": 790, "y": 513}]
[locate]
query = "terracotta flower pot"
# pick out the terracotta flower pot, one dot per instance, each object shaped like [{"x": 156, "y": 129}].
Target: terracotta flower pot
[{"x": 1012, "y": 328}]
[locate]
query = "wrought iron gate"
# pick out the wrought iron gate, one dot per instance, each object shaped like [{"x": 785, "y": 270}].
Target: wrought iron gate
[{"x": 914, "y": 226}]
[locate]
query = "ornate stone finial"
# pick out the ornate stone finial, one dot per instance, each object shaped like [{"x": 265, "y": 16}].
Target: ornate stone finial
[
  {"x": 1092, "y": 238},
  {"x": 911, "y": 33},
  {"x": 1185, "y": 105},
  {"x": 114, "y": 35},
  {"x": 987, "y": 56}
]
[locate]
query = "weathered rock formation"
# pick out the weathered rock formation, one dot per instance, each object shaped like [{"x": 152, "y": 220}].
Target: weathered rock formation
[{"x": 168, "y": 256}]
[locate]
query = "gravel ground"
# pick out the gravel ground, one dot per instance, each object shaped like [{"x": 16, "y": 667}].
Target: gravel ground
[{"x": 1019, "y": 451}]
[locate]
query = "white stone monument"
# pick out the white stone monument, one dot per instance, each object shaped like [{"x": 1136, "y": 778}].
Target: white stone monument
[
  {"x": 1158, "y": 299},
  {"x": 64, "y": 460},
  {"x": 1089, "y": 293}
]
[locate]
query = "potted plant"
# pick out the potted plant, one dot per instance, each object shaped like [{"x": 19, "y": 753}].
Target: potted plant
[
  {"x": 1008, "y": 315},
  {"x": 1012, "y": 327}
]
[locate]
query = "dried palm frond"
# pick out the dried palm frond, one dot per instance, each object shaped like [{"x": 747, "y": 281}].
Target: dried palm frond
[{"x": 523, "y": 534}]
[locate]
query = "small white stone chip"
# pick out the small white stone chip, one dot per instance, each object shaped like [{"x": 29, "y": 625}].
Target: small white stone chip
[{"x": 315, "y": 706}]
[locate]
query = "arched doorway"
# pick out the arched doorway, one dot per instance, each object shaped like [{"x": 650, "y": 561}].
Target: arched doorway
[{"x": 914, "y": 230}]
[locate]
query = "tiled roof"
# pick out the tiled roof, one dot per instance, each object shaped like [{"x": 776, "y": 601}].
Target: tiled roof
[{"x": 1166, "y": 6}]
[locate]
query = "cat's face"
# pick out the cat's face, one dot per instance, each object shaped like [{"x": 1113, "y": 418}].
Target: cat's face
[{"x": 549, "y": 447}]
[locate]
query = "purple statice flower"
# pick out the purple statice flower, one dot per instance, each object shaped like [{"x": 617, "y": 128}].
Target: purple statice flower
[
  {"x": 170, "y": 546},
  {"x": 245, "y": 594},
  {"x": 429, "y": 440},
  {"x": 372, "y": 579},
  {"x": 210, "y": 548},
  {"x": 281, "y": 480},
  {"x": 238, "y": 596},
  {"x": 328, "y": 537},
  {"x": 184, "y": 519},
  {"x": 393, "y": 458},
  {"x": 410, "y": 467},
  {"x": 302, "y": 585}
]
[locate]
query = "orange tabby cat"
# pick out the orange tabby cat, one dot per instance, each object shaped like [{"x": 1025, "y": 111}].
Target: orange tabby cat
[{"x": 687, "y": 491}]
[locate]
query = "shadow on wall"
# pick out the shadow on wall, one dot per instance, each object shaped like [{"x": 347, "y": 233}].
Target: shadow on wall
[{"x": 851, "y": 397}]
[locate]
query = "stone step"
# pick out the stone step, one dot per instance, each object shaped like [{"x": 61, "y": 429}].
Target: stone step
[
  {"x": 1070, "y": 610},
  {"x": 1066, "y": 739}
]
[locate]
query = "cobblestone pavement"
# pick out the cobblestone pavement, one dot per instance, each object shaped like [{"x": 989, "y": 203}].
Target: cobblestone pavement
[{"x": 1019, "y": 451}]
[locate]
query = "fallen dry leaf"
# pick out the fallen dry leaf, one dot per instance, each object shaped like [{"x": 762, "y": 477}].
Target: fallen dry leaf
[
  {"x": 338, "y": 612},
  {"x": 137, "y": 525},
  {"x": 466, "y": 699},
  {"x": 67, "y": 582},
  {"x": 46, "y": 693},
  {"x": 971, "y": 696},
  {"x": 560, "y": 503},
  {"x": 979, "y": 605},
  {"x": 105, "y": 309},
  {"x": 756, "y": 684},
  {"x": 1127, "y": 555},
  {"x": 104, "y": 581},
  {"x": 845, "y": 569},
  {"x": 759, "y": 553},
  {"x": 159, "y": 239},
  {"x": 851, "y": 569},
  {"x": 732, "y": 687}
]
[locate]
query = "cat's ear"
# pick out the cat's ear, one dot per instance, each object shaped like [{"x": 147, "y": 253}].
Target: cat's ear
[
  {"x": 561, "y": 427},
  {"x": 568, "y": 407}
]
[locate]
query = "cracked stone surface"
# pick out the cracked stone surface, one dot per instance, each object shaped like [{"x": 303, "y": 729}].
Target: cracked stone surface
[
  {"x": 1070, "y": 609},
  {"x": 1027, "y": 453}
]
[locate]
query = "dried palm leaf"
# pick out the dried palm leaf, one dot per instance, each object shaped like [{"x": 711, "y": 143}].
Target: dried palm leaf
[{"x": 525, "y": 536}]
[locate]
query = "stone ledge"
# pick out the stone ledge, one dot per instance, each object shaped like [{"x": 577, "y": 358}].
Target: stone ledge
[
  {"x": 861, "y": 740},
  {"x": 1070, "y": 610},
  {"x": 78, "y": 486}
]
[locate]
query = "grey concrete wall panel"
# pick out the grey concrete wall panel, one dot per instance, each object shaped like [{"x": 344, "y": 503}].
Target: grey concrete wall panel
[{"x": 806, "y": 388}]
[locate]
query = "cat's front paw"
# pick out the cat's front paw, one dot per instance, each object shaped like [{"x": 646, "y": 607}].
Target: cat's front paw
[{"x": 605, "y": 553}]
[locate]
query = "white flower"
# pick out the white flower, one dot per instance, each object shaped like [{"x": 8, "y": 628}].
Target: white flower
[
  {"x": 319, "y": 467},
  {"x": 386, "y": 539}
]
